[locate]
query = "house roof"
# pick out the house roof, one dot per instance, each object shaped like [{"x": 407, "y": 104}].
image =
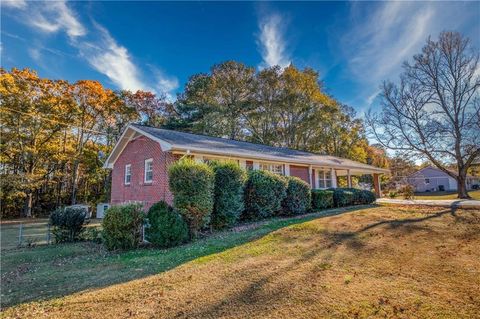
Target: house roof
[
  {"x": 437, "y": 170},
  {"x": 181, "y": 141}
]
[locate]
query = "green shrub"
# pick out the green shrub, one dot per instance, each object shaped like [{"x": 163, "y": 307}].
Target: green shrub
[
  {"x": 298, "y": 197},
  {"x": 352, "y": 196},
  {"x": 392, "y": 194},
  {"x": 192, "y": 186},
  {"x": 264, "y": 193},
  {"x": 68, "y": 224},
  {"x": 122, "y": 226},
  {"x": 228, "y": 193},
  {"x": 407, "y": 191},
  {"x": 366, "y": 197},
  {"x": 343, "y": 197},
  {"x": 166, "y": 228},
  {"x": 322, "y": 198}
]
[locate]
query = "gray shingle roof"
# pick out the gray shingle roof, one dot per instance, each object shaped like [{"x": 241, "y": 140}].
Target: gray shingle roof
[{"x": 227, "y": 147}]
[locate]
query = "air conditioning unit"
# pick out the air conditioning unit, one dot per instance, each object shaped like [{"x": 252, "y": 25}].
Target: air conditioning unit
[{"x": 101, "y": 208}]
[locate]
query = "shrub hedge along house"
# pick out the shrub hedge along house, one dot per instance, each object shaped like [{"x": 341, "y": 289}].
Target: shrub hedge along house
[{"x": 141, "y": 157}]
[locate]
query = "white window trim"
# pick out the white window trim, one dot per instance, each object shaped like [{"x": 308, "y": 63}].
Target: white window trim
[
  {"x": 270, "y": 165},
  {"x": 129, "y": 168},
  {"x": 324, "y": 179},
  {"x": 150, "y": 160}
]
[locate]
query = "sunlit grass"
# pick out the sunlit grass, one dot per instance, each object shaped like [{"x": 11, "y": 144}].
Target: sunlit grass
[{"x": 394, "y": 262}]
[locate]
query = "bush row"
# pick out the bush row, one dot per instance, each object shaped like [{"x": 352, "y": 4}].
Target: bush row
[{"x": 218, "y": 195}]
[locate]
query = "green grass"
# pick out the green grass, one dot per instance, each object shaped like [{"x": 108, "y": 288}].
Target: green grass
[
  {"x": 445, "y": 195},
  {"x": 375, "y": 262},
  {"x": 34, "y": 232},
  {"x": 55, "y": 270}
]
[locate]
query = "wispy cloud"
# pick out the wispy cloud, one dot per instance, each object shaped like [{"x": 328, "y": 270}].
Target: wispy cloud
[
  {"x": 108, "y": 57},
  {"x": 271, "y": 41},
  {"x": 56, "y": 16},
  {"x": 382, "y": 35},
  {"x": 97, "y": 47},
  {"x": 18, "y": 4}
]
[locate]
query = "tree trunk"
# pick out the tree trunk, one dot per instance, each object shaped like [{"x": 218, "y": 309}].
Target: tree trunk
[
  {"x": 462, "y": 186},
  {"x": 74, "y": 182},
  {"x": 27, "y": 208}
]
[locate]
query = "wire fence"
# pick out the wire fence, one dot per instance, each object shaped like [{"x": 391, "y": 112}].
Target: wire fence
[{"x": 31, "y": 233}]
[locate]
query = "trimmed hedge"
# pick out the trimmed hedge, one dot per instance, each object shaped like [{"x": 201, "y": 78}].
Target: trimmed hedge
[
  {"x": 298, "y": 197},
  {"x": 192, "y": 185},
  {"x": 264, "y": 193},
  {"x": 122, "y": 226},
  {"x": 322, "y": 198},
  {"x": 352, "y": 196},
  {"x": 67, "y": 224},
  {"x": 166, "y": 227},
  {"x": 228, "y": 193}
]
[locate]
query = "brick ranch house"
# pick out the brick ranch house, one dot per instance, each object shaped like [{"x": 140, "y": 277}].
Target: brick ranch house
[{"x": 140, "y": 160}]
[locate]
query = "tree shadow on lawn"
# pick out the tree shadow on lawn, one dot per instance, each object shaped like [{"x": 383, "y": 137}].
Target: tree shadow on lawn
[
  {"x": 262, "y": 293},
  {"x": 47, "y": 272}
]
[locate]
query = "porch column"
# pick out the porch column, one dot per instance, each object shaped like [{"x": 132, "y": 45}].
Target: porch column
[
  {"x": 376, "y": 185},
  {"x": 242, "y": 163},
  {"x": 334, "y": 177},
  {"x": 349, "y": 178},
  {"x": 287, "y": 169},
  {"x": 256, "y": 165},
  {"x": 198, "y": 158},
  {"x": 310, "y": 177}
]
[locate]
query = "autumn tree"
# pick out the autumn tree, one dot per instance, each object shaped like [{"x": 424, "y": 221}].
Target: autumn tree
[
  {"x": 434, "y": 110},
  {"x": 32, "y": 133}
]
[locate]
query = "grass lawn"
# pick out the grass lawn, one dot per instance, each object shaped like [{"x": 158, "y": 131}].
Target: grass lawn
[
  {"x": 34, "y": 232},
  {"x": 446, "y": 195},
  {"x": 401, "y": 262}
]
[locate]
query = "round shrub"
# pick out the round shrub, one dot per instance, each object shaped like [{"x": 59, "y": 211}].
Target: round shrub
[
  {"x": 166, "y": 228},
  {"x": 298, "y": 197},
  {"x": 192, "y": 186},
  {"x": 228, "y": 193},
  {"x": 68, "y": 223},
  {"x": 264, "y": 193},
  {"x": 322, "y": 198},
  {"x": 122, "y": 226},
  {"x": 366, "y": 197},
  {"x": 343, "y": 197}
]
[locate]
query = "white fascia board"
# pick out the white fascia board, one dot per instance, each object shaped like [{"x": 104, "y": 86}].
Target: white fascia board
[
  {"x": 120, "y": 145},
  {"x": 369, "y": 170},
  {"x": 126, "y": 137},
  {"x": 165, "y": 146}
]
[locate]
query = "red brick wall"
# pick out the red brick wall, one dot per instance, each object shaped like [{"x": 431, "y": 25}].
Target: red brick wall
[
  {"x": 300, "y": 172},
  {"x": 135, "y": 154}
]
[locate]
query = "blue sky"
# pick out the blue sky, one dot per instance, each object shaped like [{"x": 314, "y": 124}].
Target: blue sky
[{"x": 157, "y": 45}]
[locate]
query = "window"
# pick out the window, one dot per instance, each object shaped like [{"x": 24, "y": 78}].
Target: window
[
  {"x": 148, "y": 170},
  {"x": 128, "y": 174},
  {"x": 427, "y": 180},
  {"x": 272, "y": 167},
  {"x": 249, "y": 165},
  {"x": 324, "y": 178}
]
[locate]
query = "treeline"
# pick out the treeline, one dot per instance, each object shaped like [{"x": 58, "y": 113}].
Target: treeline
[{"x": 55, "y": 135}]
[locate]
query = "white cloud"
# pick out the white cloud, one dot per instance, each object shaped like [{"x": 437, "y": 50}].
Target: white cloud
[
  {"x": 102, "y": 52},
  {"x": 17, "y": 4},
  {"x": 382, "y": 35},
  {"x": 108, "y": 57},
  {"x": 271, "y": 41},
  {"x": 51, "y": 17},
  {"x": 377, "y": 46}
]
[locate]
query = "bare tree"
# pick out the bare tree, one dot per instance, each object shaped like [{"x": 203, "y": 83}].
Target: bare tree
[{"x": 434, "y": 112}]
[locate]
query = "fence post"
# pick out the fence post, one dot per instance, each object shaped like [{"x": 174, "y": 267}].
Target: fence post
[
  {"x": 20, "y": 234},
  {"x": 48, "y": 234}
]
